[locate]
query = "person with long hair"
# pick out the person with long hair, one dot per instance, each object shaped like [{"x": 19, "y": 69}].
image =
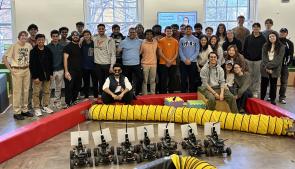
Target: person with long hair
[
  {"x": 221, "y": 33},
  {"x": 216, "y": 47},
  {"x": 272, "y": 58},
  {"x": 205, "y": 49},
  {"x": 234, "y": 55},
  {"x": 242, "y": 83}
]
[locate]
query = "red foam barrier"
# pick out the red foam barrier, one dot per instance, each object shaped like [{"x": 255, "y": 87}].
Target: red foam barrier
[
  {"x": 39, "y": 131},
  {"x": 257, "y": 106},
  {"x": 158, "y": 99}
]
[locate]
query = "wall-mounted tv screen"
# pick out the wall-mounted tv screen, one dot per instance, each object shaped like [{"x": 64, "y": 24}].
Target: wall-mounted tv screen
[{"x": 168, "y": 18}]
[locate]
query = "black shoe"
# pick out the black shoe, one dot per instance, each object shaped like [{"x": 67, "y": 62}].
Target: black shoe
[
  {"x": 28, "y": 114},
  {"x": 18, "y": 117}
]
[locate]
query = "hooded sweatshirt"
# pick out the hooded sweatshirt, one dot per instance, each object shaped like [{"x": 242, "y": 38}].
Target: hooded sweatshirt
[
  {"x": 104, "y": 50},
  {"x": 189, "y": 48},
  {"x": 253, "y": 47},
  {"x": 212, "y": 76}
]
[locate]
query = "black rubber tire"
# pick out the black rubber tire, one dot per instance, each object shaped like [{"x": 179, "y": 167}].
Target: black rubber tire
[
  {"x": 137, "y": 158},
  {"x": 206, "y": 143},
  {"x": 112, "y": 150},
  {"x": 115, "y": 159},
  {"x": 118, "y": 150},
  {"x": 89, "y": 152},
  {"x": 228, "y": 151},
  {"x": 96, "y": 161},
  {"x": 95, "y": 152},
  {"x": 159, "y": 146},
  {"x": 183, "y": 145},
  {"x": 72, "y": 154},
  {"x": 120, "y": 159},
  {"x": 90, "y": 162},
  {"x": 72, "y": 165}
]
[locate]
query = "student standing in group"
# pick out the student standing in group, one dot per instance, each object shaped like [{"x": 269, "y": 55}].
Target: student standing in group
[
  {"x": 240, "y": 31},
  {"x": 33, "y": 30},
  {"x": 205, "y": 49},
  {"x": 73, "y": 69},
  {"x": 198, "y": 30},
  {"x": 175, "y": 30},
  {"x": 118, "y": 37},
  {"x": 41, "y": 69},
  {"x": 130, "y": 49},
  {"x": 288, "y": 58},
  {"x": 189, "y": 48},
  {"x": 253, "y": 53},
  {"x": 140, "y": 31},
  {"x": 209, "y": 32},
  {"x": 213, "y": 84},
  {"x": 231, "y": 40},
  {"x": 149, "y": 61},
  {"x": 80, "y": 28},
  {"x": 104, "y": 55},
  {"x": 57, "y": 63},
  {"x": 168, "y": 49},
  {"x": 88, "y": 65},
  {"x": 63, "y": 31},
  {"x": 221, "y": 34},
  {"x": 216, "y": 47},
  {"x": 16, "y": 59},
  {"x": 268, "y": 27},
  {"x": 272, "y": 58},
  {"x": 182, "y": 31}
]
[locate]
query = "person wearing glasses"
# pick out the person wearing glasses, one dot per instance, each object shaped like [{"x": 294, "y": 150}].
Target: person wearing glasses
[{"x": 117, "y": 87}]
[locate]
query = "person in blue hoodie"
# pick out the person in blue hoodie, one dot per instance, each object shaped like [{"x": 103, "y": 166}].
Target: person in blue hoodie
[{"x": 188, "y": 51}]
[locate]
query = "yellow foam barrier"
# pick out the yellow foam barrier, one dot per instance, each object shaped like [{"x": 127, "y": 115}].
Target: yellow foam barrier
[
  {"x": 261, "y": 124},
  {"x": 187, "y": 162}
]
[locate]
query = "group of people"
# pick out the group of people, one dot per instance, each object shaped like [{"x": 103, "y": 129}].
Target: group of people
[{"x": 231, "y": 65}]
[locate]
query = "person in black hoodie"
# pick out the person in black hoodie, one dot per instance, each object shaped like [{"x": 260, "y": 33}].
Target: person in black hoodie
[
  {"x": 41, "y": 69},
  {"x": 253, "y": 54},
  {"x": 288, "y": 57},
  {"x": 118, "y": 37},
  {"x": 231, "y": 40}
]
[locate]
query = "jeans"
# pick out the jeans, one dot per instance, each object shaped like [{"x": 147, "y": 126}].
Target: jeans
[
  {"x": 190, "y": 77},
  {"x": 102, "y": 72},
  {"x": 87, "y": 73},
  {"x": 58, "y": 77},
  {"x": 241, "y": 102},
  {"x": 168, "y": 78},
  {"x": 284, "y": 82},
  {"x": 135, "y": 76},
  {"x": 254, "y": 70},
  {"x": 272, "y": 90},
  {"x": 108, "y": 99},
  {"x": 72, "y": 87}
]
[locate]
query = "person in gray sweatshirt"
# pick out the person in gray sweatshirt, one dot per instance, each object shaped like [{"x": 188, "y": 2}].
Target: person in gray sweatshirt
[
  {"x": 213, "y": 84},
  {"x": 188, "y": 51},
  {"x": 242, "y": 84},
  {"x": 104, "y": 55}
]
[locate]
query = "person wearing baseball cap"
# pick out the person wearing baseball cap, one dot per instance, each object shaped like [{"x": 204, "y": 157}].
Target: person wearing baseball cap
[{"x": 288, "y": 58}]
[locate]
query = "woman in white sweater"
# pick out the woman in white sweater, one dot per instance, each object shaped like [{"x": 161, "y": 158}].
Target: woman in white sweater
[
  {"x": 205, "y": 49},
  {"x": 215, "y": 46}
]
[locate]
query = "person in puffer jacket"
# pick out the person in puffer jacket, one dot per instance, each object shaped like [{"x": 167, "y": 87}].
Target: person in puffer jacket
[{"x": 213, "y": 84}]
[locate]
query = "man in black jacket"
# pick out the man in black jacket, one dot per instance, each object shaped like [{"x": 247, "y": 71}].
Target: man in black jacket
[
  {"x": 288, "y": 57},
  {"x": 117, "y": 87},
  {"x": 41, "y": 69},
  {"x": 253, "y": 55}
]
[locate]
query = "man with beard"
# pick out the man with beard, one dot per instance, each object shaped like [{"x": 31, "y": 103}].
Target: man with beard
[
  {"x": 73, "y": 69},
  {"x": 117, "y": 37},
  {"x": 117, "y": 87}
]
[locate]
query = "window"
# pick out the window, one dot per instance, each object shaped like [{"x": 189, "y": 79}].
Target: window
[
  {"x": 122, "y": 12},
  {"x": 227, "y": 11},
  {"x": 5, "y": 25}
]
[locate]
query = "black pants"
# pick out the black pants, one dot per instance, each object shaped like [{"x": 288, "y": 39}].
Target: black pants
[
  {"x": 108, "y": 99},
  {"x": 190, "y": 77},
  {"x": 168, "y": 78},
  {"x": 135, "y": 76},
  {"x": 87, "y": 73},
  {"x": 284, "y": 82},
  {"x": 272, "y": 90},
  {"x": 241, "y": 102},
  {"x": 73, "y": 87},
  {"x": 102, "y": 72}
]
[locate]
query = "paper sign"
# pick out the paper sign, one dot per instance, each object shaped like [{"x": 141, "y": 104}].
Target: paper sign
[
  {"x": 209, "y": 128},
  {"x": 141, "y": 129},
  {"x": 162, "y": 127},
  {"x": 84, "y": 136},
  {"x": 185, "y": 128},
  {"x": 97, "y": 136},
  {"x": 121, "y": 134}
]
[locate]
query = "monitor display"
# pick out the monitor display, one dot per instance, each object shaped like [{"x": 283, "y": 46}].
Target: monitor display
[{"x": 168, "y": 18}]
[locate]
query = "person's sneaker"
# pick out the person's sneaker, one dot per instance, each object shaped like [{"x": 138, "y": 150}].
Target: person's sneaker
[
  {"x": 18, "y": 117},
  {"x": 268, "y": 99},
  {"x": 38, "y": 112},
  {"x": 47, "y": 110},
  {"x": 283, "y": 101},
  {"x": 27, "y": 114},
  {"x": 65, "y": 106}
]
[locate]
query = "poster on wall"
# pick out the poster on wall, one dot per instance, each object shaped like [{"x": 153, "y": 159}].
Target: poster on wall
[{"x": 168, "y": 18}]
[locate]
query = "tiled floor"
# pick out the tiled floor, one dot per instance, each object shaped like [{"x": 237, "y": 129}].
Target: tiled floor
[{"x": 249, "y": 150}]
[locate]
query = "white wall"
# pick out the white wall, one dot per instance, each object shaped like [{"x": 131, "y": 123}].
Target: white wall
[
  {"x": 52, "y": 14},
  {"x": 281, "y": 13},
  {"x": 48, "y": 14}
]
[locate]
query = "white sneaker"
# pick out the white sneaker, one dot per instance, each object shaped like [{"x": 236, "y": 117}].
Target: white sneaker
[
  {"x": 47, "y": 110},
  {"x": 38, "y": 112}
]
